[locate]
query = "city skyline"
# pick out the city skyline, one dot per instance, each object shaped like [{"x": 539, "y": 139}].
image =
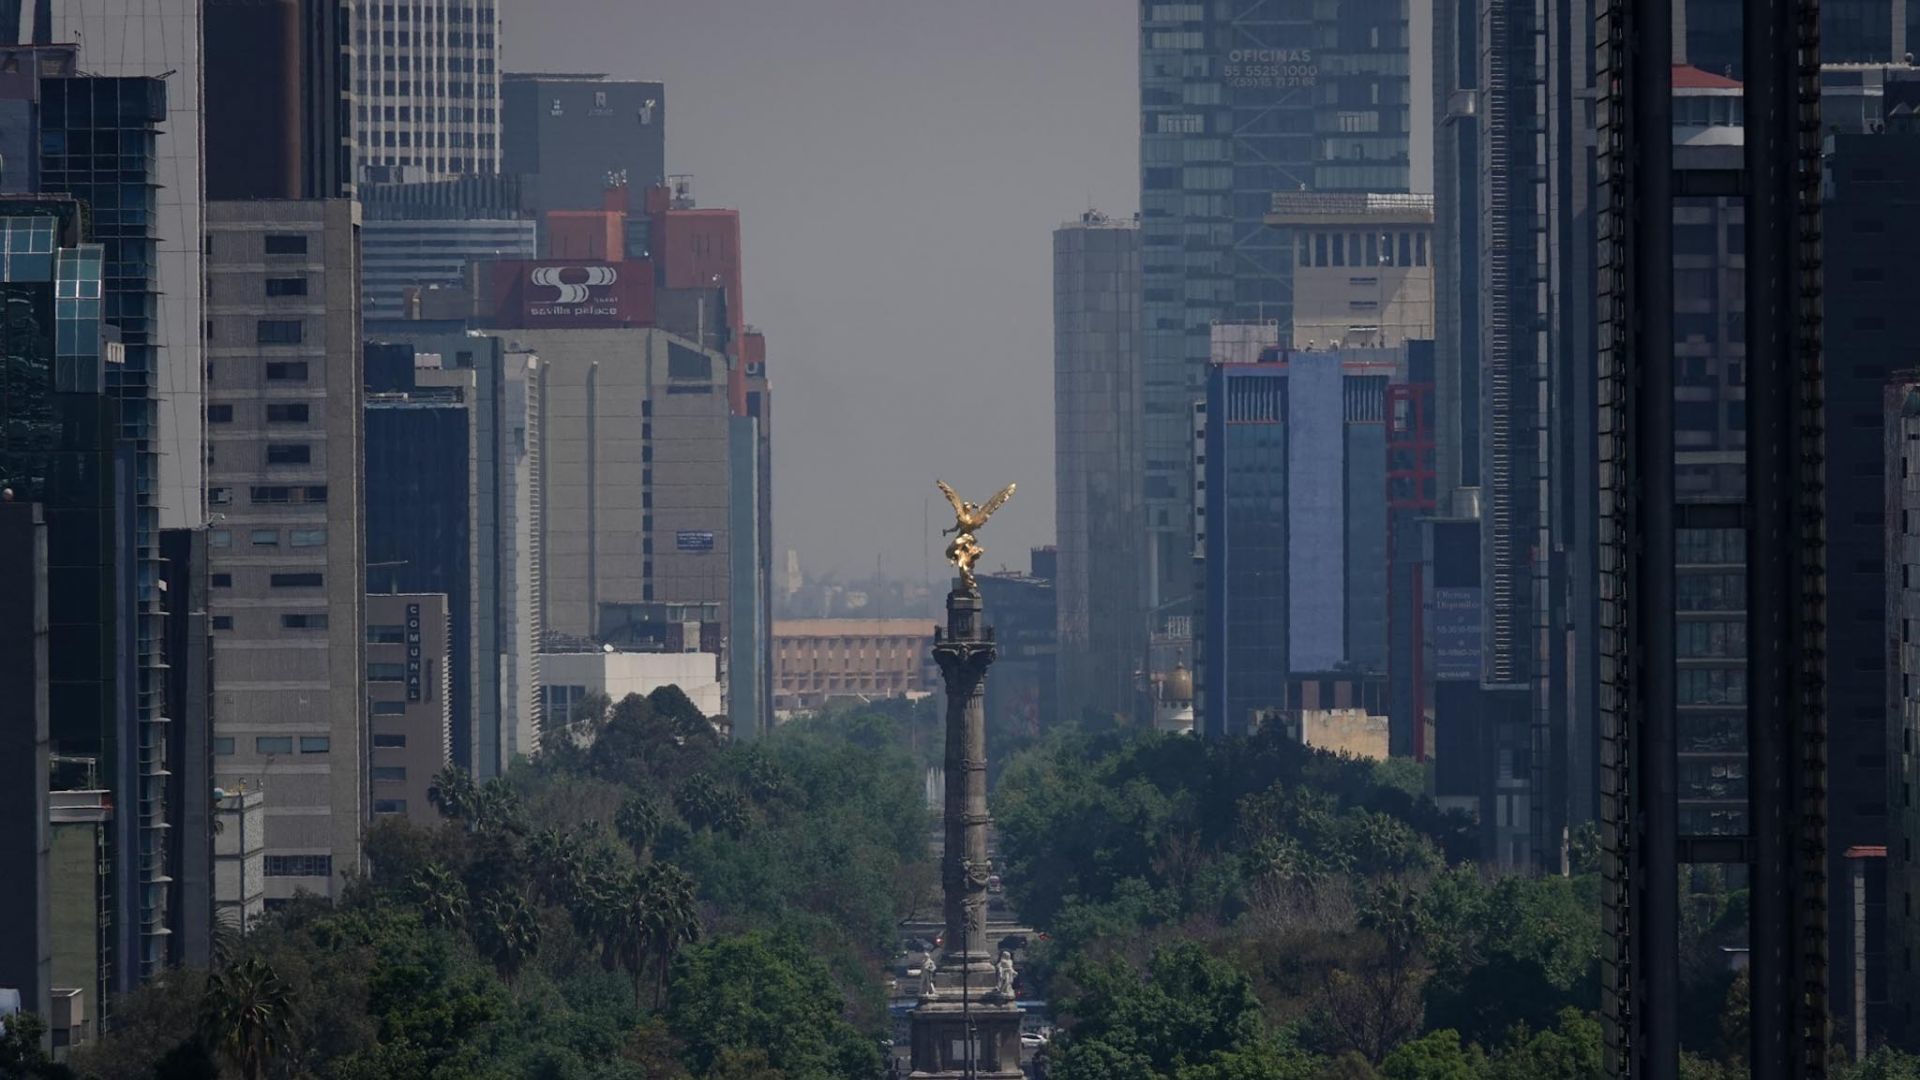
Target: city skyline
[{"x": 933, "y": 204}]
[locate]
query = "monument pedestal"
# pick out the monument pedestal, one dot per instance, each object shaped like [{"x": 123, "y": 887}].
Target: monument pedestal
[{"x": 967, "y": 1026}]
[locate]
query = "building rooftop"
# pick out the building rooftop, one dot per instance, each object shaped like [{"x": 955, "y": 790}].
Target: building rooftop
[
  {"x": 1330, "y": 207},
  {"x": 853, "y": 627},
  {"x": 1686, "y": 77}
]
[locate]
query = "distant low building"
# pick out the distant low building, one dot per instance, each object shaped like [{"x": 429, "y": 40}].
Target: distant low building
[
  {"x": 818, "y": 660},
  {"x": 571, "y": 677}
]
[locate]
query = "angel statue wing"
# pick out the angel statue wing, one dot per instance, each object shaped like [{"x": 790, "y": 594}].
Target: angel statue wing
[
  {"x": 987, "y": 508},
  {"x": 959, "y": 504}
]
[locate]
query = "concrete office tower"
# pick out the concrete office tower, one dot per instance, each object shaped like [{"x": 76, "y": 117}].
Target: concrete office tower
[
  {"x": 1101, "y": 588},
  {"x": 1295, "y": 544},
  {"x": 426, "y": 89},
  {"x": 1363, "y": 271},
  {"x": 160, "y": 39},
  {"x": 1238, "y": 101},
  {"x": 409, "y": 714},
  {"x": 570, "y": 136},
  {"x": 637, "y": 479},
  {"x": 452, "y": 442},
  {"x": 288, "y": 576},
  {"x": 818, "y": 660}
]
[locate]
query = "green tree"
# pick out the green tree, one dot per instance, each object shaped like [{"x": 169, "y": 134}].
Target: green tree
[
  {"x": 1571, "y": 1050},
  {"x": 1883, "y": 1064},
  {"x": 453, "y": 793},
  {"x": 759, "y": 991},
  {"x": 1436, "y": 1055},
  {"x": 669, "y": 916},
  {"x": 249, "y": 1018},
  {"x": 507, "y": 931},
  {"x": 441, "y": 897},
  {"x": 638, "y": 823}
]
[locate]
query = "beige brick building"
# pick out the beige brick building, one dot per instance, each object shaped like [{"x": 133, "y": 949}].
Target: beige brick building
[{"x": 816, "y": 660}]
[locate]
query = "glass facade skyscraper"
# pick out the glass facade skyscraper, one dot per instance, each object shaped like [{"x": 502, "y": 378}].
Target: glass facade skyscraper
[{"x": 1240, "y": 99}]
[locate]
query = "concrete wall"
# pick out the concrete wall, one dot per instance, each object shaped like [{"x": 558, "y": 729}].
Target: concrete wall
[
  {"x": 409, "y": 719},
  {"x": 618, "y": 674}
]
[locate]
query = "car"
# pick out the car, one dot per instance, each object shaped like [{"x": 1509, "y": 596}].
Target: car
[
  {"x": 913, "y": 973},
  {"x": 1013, "y": 943},
  {"x": 1032, "y": 1040}
]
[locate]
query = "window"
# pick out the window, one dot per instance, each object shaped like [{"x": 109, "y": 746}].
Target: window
[
  {"x": 220, "y": 538},
  {"x": 273, "y": 744},
  {"x": 272, "y": 494},
  {"x": 287, "y": 414},
  {"x": 389, "y": 774},
  {"x": 277, "y": 332},
  {"x": 286, "y": 286},
  {"x": 219, "y": 414},
  {"x": 220, "y": 496},
  {"x": 299, "y": 865},
  {"x": 389, "y": 806},
  {"x": 384, "y": 672},
  {"x": 264, "y": 537},
  {"x": 291, "y": 371},
  {"x": 386, "y": 634},
  {"x": 223, "y": 746},
  {"x": 223, "y": 622},
  {"x": 315, "y": 744},
  {"x": 311, "y": 620},
  {"x": 289, "y": 454},
  {"x": 221, "y": 581},
  {"x": 389, "y": 708},
  {"x": 286, "y": 244},
  {"x": 307, "y": 537},
  {"x": 317, "y": 493},
  {"x": 389, "y": 742},
  {"x": 296, "y": 581}
]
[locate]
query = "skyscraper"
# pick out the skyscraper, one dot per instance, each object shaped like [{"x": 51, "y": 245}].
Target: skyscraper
[
  {"x": 288, "y": 581},
  {"x": 1239, "y": 100},
  {"x": 426, "y": 89},
  {"x": 1100, "y": 589}
]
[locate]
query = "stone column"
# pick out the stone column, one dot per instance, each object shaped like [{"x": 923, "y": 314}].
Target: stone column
[{"x": 963, "y": 1026}]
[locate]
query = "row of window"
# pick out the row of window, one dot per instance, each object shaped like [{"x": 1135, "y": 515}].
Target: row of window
[
  {"x": 1360, "y": 249},
  {"x": 278, "y": 412},
  {"x": 278, "y": 581},
  {"x": 303, "y": 620},
  {"x": 271, "y": 493},
  {"x": 299, "y": 865},
  {"x": 437, "y": 140},
  {"x": 425, "y": 13},
  {"x": 429, "y": 114},
  {"x": 300, "y": 538},
  {"x": 316, "y": 744},
  {"x": 277, "y": 744}
]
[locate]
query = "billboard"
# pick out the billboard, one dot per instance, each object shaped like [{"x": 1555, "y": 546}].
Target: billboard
[
  {"x": 569, "y": 294},
  {"x": 1455, "y": 633}
]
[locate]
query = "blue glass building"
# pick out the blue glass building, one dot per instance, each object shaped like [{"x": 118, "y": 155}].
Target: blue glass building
[{"x": 1294, "y": 495}]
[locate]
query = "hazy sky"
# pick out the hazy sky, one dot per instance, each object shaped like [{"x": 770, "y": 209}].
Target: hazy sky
[{"x": 899, "y": 166}]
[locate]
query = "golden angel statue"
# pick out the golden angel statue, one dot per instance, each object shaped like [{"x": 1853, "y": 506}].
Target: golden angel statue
[{"x": 967, "y": 519}]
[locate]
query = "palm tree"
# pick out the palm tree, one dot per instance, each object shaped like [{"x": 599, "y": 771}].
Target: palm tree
[
  {"x": 638, "y": 823},
  {"x": 623, "y": 922},
  {"x": 670, "y": 917},
  {"x": 509, "y": 933},
  {"x": 249, "y": 1016},
  {"x": 441, "y": 896},
  {"x": 559, "y": 865},
  {"x": 452, "y": 792},
  {"x": 497, "y": 807}
]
